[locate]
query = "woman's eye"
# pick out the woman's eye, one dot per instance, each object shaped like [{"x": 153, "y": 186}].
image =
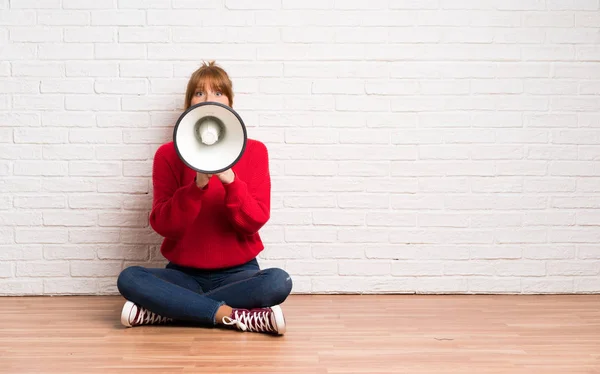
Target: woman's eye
[
  {"x": 218, "y": 93},
  {"x": 198, "y": 93}
]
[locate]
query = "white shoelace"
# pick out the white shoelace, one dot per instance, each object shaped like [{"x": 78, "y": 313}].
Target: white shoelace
[{"x": 251, "y": 321}]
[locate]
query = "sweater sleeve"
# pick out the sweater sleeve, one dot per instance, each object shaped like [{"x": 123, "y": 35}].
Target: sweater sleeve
[
  {"x": 174, "y": 208},
  {"x": 248, "y": 202}
]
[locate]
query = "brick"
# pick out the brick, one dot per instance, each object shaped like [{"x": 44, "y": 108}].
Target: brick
[
  {"x": 334, "y": 251},
  {"x": 586, "y": 234},
  {"x": 94, "y": 136},
  {"x": 91, "y": 69},
  {"x": 363, "y": 268},
  {"x": 365, "y": 169},
  {"x": 554, "y": 285},
  {"x": 573, "y": 5},
  {"x": 322, "y": 267},
  {"x": 121, "y": 86},
  {"x": 39, "y": 102},
  {"x": 122, "y": 119},
  {"x": 335, "y": 218},
  {"x": 118, "y": 18},
  {"x": 483, "y": 285},
  {"x": 281, "y": 217},
  {"x": 95, "y": 201},
  {"x": 66, "y": 152},
  {"x": 94, "y": 235},
  {"x": 548, "y": 219},
  {"x": 89, "y": 35},
  {"x": 128, "y": 252},
  {"x": 581, "y": 70},
  {"x": 63, "y": 18},
  {"x": 89, "y": 4},
  {"x": 123, "y": 185},
  {"x": 17, "y": 17},
  {"x": 307, "y": 4},
  {"x": 70, "y": 286},
  {"x": 40, "y": 202},
  {"x": 428, "y": 220},
  {"x": 137, "y": 169},
  {"x": 363, "y": 201},
  {"x": 188, "y": 51},
  {"x": 149, "y": 136},
  {"x": 95, "y": 269},
  {"x": 95, "y": 169},
  {"x": 19, "y": 184},
  {"x": 40, "y": 168},
  {"x": 7, "y": 235},
  {"x": 449, "y": 285},
  {"x": 587, "y": 19},
  {"x": 121, "y": 152},
  {"x": 105, "y": 51},
  {"x": 428, "y": 184},
  {"x": 19, "y": 287},
  {"x": 145, "y": 69},
  {"x": 35, "y": 4},
  {"x": 21, "y": 152},
  {"x": 64, "y": 51},
  {"x": 154, "y": 102},
  {"x": 313, "y": 235},
  {"x": 145, "y": 4},
  {"x": 69, "y": 185},
  {"x": 69, "y": 218},
  {"x": 548, "y": 19},
  {"x": 20, "y": 252},
  {"x": 37, "y": 69},
  {"x": 67, "y": 86},
  {"x": 123, "y": 220},
  {"x": 36, "y": 35},
  {"x": 542, "y": 252},
  {"x": 40, "y": 136},
  {"x": 40, "y": 236},
  {"x": 309, "y": 201},
  {"x": 42, "y": 269}
]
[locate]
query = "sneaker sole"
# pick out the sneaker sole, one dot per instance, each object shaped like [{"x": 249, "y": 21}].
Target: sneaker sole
[
  {"x": 279, "y": 319},
  {"x": 126, "y": 313}
]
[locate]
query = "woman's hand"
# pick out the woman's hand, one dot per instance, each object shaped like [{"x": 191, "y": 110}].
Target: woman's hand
[
  {"x": 202, "y": 179},
  {"x": 226, "y": 177}
]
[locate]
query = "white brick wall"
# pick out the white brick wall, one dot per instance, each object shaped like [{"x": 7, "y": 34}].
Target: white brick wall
[{"x": 416, "y": 146}]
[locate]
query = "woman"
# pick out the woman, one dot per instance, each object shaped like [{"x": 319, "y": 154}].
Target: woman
[{"x": 210, "y": 226}]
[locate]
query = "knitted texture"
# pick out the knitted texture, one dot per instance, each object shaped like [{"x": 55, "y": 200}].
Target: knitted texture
[{"x": 216, "y": 226}]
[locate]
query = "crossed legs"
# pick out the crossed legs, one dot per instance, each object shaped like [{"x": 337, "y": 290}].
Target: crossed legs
[{"x": 172, "y": 294}]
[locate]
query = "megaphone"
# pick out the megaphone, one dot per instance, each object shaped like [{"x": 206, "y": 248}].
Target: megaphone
[{"x": 210, "y": 137}]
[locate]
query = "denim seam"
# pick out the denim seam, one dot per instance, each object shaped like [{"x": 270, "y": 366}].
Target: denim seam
[{"x": 230, "y": 284}]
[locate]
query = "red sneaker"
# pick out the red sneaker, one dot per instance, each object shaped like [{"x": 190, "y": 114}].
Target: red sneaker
[
  {"x": 268, "y": 320},
  {"x": 134, "y": 315}
]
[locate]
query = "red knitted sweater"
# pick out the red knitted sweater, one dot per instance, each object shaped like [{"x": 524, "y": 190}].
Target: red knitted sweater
[{"x": 217, "y": 226}]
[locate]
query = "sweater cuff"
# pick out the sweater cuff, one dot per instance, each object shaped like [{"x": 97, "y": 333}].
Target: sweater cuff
[
  {"x": 235, "y": 190},
  {"x": 195, "y": 192}
]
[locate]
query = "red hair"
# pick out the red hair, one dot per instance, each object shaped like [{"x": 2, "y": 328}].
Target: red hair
[{"x": 212, "y": 76}]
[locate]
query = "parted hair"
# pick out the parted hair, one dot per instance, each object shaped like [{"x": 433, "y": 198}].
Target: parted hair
[{"x": 209, "y": 75}]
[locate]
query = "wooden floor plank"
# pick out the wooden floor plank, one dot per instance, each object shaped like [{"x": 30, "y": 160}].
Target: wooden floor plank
[{"x": 326, "y": 334}]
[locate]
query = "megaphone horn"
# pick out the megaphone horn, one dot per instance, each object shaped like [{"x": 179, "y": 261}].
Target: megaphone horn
[{"x": 210, "y": 137}]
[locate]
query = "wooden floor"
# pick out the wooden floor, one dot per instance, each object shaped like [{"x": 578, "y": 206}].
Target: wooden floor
[{"x": 326, "y": 334}]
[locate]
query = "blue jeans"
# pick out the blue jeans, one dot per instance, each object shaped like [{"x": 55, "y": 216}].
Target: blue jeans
[{"x": 194, "y": 295}]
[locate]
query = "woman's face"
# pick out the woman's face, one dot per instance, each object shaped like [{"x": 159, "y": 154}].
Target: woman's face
[{"x": 201, "y": 95}]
